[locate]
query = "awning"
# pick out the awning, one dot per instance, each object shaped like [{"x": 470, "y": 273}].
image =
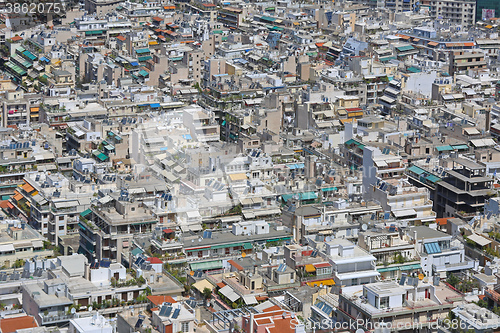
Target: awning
[
  {"x": 85, "y": 212},
  {"x": 416, "y": 169},
  {"x": 310, "y": 268},
  {"x": 247, "y": 246},
  {"x": 461, "y": 147},
  {"x": 229, "y": 293},
  {"x": 65, "y": 204},
  {"x": 206, "y": 266},
  {"x": 479, "y": 240},
  {"x": 7, "y": 248},
  {"x": 327, "y": 282},
  {"x": 380, "y": 164},
  {"x": 250, "y": 299},
  {"x": 202, "y": 284},
  {"x": 37, "y": 243},
  {"x": 142, "y": 51},
  {"x": 17, "y": 197},
  {"x": 444, "y": 148},
  {"x": 238, "y": 176},
  {"x": 432, "y": 44},
  {"x": 404, "y": 213},
  {"x": 387, "y": 269},
  {"x": 329, "y": 189}
]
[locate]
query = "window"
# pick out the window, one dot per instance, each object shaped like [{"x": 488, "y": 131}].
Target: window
[
  {"x": 185, "y": 326},
  {"x": 384, "y": 302}
]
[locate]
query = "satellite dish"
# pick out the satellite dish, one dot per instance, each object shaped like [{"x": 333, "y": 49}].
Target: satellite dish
[
  {"x": 90, "y": 308},
  {"x": 364, "y": 227},
  {"x": 73, "y": 310},
  {"x": 243, "y": 254}
]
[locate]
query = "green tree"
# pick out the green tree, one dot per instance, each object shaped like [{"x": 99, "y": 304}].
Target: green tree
[{"x": 207, "y": 293}]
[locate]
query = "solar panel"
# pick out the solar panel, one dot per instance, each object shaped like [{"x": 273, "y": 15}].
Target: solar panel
[
  {"x": 314, "y": 253},
  {"x": 163, "y": 311},
  {"x": 105, "y": 263},
  {"x": 139, "y": 323},
  {"x": 436, "y": 280},
  {"x": 168, "y": 312},
  {"x": 176, "y": 313},
  {"x": 387, "y": 216},
  {"x": 402, "y": 281},
  {"x": 409, "y": 281}
]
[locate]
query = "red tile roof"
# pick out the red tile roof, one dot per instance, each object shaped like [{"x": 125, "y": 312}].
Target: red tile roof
[
  {"x": 235, "y": 265},
  {"x": 155, "y": 260},
  {"x": 159, "y": 300},
  {"x": 121, "y": 38},
  {"x": 442, "y": 221},
  {"x": 16, "y": 38},
  {"x": 11, "y": 325},
  {"x": 221, "y": 284}
]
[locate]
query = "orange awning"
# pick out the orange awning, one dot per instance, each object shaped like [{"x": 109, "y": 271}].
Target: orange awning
[
  {"x": 343, "y": 121},
  {"x": 404, "y": 37},
  {"x": 433, "y": 44},
  {"x": 35, "y": 109},
  {"x": 469, "y": 44},
  {"x": 327, "y": 282},
  {"x": 310, "y": 268},
  {"x": 27, "y": 187},
  {"x": 11, "y": 206},
  {"x": 18, "y": 196},
  {"x": 416, "y": 39}
]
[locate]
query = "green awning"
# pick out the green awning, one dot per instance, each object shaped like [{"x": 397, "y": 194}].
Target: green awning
[
  {"x": 413, "y": 70},
  {"x": 217, "y": 32},
  {"x": 433, "y": 179},
  {"x": 270, "y": 9},
  {"x": 175, "y": 59},
  {"x": 206, "y": 266},
  {"x": 144, "y": 58},
  {"x": 143, "y": 73},
  {"x": 357, "y": 143},
  {"x": 386, "y": 58},
  {"x": 302, "y": 196},
  {"x": 444, "y": 148},
  {"x": 267, "y": 18},
  {"x": 329, "y": 189},
  {"x": 109, "y": 147},
  {"x": 101, "y": 156},
  {"x": 82, "y": 226},
  {"x": 137, "y": 251},
  {"x": 5, "y": 197},
  {"x": 387, "y": 269},
  {"x": 30, "y": 55},
  {"x": 405, "y": 48},
  {"x": 93, "y": 32},
  {"x": 416, "y": 170},
  {"x": 85, "y": 212},
  {"x": 142, "y": 51},
  {"x": 410, "y": 267},
  {"x": 247, "y": 246},
  {"x": 461, "y": 147}
]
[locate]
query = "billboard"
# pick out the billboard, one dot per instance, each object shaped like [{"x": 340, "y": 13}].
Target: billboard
[{"x": 488, "y": 14}]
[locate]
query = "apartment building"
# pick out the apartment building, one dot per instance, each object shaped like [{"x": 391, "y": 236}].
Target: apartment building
[
  {"x": 461, "y": 62},
  {"x": 401, "y": 304},
  {"x": 438, "y": 254},
  {"x": 464, "y": 189},
  {"x": 461, "y": 12}
]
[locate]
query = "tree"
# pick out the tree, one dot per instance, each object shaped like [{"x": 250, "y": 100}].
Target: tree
[{"x": 207, "y": 293}]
